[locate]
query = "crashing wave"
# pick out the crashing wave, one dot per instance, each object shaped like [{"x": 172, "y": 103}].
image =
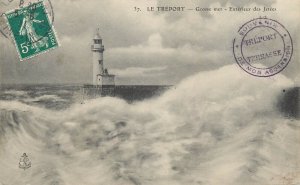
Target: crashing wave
[{"x": 217, "y": 127}]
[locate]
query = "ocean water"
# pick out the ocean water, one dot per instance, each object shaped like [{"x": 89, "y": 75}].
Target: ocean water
[
  {"x": 60, "y": 97},
  {"x": 220, "y": 127}
]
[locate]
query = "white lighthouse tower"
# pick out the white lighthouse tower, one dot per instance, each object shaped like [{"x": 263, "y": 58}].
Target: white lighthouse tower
[
  {"x": 97, "y": 50},
  {"x": 103, "y": 82},
  {"x": 101, "y": 77}
]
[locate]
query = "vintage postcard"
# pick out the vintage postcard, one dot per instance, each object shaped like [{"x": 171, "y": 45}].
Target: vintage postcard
[{"x": 149, "y": 92}]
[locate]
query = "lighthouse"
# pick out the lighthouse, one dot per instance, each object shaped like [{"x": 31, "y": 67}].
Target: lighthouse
[
  {"x": 101, "y": 77},
  {"x": 97, "y": 50},
  {"x": 103, "y": 83}
]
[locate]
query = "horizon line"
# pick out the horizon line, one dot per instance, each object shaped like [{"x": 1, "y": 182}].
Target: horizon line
[{"x": 83, "y": 84}]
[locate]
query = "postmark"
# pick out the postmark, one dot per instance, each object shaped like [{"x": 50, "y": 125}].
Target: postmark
[
  {"x": 263, "y": 47},
  {"x": 31, "y": 30}
]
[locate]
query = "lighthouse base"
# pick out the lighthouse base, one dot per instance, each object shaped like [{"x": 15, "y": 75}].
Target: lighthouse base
[{"x": 94, "y": 91}]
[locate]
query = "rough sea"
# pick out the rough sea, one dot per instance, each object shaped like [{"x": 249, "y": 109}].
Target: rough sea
[{"x": 220, "y": 127}]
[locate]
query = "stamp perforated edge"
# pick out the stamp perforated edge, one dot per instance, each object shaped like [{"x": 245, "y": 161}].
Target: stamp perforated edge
[{"x": 42, "y": 52}]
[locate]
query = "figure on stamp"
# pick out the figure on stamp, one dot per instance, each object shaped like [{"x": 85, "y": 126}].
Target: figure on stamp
[{"x": 28, "y": 29}]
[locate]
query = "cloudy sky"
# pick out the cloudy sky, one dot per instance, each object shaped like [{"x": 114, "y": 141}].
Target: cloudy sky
[{"x": 142, "y": 47}]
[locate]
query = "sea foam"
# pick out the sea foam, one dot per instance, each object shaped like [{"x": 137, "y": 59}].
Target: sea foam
[{"x": 216, "y": 127}]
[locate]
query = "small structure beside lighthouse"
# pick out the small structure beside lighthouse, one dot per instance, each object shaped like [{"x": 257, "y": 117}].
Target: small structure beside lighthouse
[{"x": 103, "y": 82}]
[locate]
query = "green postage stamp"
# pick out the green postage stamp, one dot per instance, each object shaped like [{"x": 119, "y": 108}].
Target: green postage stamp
[{"x": 31, "y": 30}]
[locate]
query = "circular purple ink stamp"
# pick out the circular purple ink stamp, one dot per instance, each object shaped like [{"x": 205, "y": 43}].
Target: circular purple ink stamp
[{"x": 263, "y": 47}]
